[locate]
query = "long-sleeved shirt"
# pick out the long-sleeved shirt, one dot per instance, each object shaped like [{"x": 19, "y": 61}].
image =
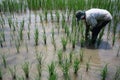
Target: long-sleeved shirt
[{"x": 94, "y": 15}]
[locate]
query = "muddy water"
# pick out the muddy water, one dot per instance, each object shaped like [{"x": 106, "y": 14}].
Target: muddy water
[{"x": 105, "y": 54}]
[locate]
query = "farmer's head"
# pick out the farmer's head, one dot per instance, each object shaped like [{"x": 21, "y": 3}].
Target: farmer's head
[{"x": 80, "y": 15}]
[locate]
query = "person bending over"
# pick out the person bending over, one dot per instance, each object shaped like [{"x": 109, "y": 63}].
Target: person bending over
[{"x": 95, "y": 20}]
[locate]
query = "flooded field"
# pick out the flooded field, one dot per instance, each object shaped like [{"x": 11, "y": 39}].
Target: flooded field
[{"x": 22, "y": 46}]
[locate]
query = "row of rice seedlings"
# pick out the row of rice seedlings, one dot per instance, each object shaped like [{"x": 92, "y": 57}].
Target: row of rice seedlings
[
  {"x": 13, "y": 72},
  {"x": 60, "y": 55},
  {"x": 104, "y": 72},
  {"x": 76, "y": 65},
  {"x": 44, "y": 36},
  {"x": 117, "y": 74},
  {"x": 53, "y": 39},
  {"x": 4, "y": 61},
  {"x": 36, "y": 36},
  {"x": 64, "y": 42},
  {"x": 52, "y": 72},
  {"x": 1, "y": 75},
  {"x": 26, "y": 69},
  {"x": 13, "y": 6},
  {"x": 65, "y": 68}
]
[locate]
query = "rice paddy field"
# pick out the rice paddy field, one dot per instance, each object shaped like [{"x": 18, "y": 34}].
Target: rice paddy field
[{"x": 40, "y": 40}]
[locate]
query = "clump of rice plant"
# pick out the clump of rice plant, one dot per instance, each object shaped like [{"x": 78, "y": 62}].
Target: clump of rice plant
[
  {"x": 52, "y": 72},
  {"x": 10, "y": 22},
  {"x": 36, "y": 36},
  {"x": 71, "y": 56},
  {"x": 22, "y": 24},
  {"x": 25, "y": 68},
  {"x": 65, "y": 68},
  {"x": 4, "y": 61},
  {"x": 117, "y": 74},
  {"x": 45, "y": 12},
  {"x": 60, "y": 55},
  {"x": 64, "y": 43},
  {"x": 41, "y": 20},
  {"x": 13, "y": 73},
  {"x": 104, "y": 72},
  {"x": 1, "y": 74},
  {"x": 44, "y": 37},
  {"x": 81, "y": 55},
  {"x": 76, "y": 65},
  {"x": 39, "y": 69},
  {"x": 3, "y": 35},
  {"x": 67, "y": 30}
]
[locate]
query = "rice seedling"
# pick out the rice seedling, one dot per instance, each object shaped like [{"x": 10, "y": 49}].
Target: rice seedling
[
  {"x": 88, "y": 64},
  {"x": 1, "y": 41},
  {"x": 104, "y": 72},
  {"x": 22, "y": 24},
  {"x": 81, "y": 55},
  {"x": 71, "y": 56},
  {"x": 100, "y": 37},
  {"x": 57, "y": 16},
  {"x": 41, "y": 20},
  {"x": 13, "y": 72},
  {"x": 17, "y": 45},
  {"x": 40, "y": 59},
  {"x": 21, "y": 34},
  {"x": 3, "y": 35},
  {"x": 1, "y": 74},
  {"x": 73, "y": 42},
  {"x": 117, "y": 74},
  {"x": 76, "y": 65},
  {"x": 45, "y": 13},
  {"x": 51, "y": 14},
  {"x": 25, "y": 68},
  {"x": 60, "y": 55},
  {"x": 10, "y": 22},
  {"x": 51, "y": 68},
  {"x": 44, "y": 36},
  {"x": 4, "y": 60},
  {"x": 36, "y": 36},
  {"x": 65, "y": 68},
  {"x": 64, "y": 43},
  {"x": 20, "y": 78},
  {"x": 39, "y": 69},
  {"x": 118, "y": 51}
]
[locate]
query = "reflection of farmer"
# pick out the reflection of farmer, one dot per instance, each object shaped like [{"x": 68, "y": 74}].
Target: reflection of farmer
[{"x": 95, "y": 20}]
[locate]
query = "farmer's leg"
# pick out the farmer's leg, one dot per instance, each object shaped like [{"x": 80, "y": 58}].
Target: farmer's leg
[{"x": 97, "y": 29}]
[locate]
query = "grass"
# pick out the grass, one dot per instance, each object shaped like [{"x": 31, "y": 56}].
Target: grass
[
  {"x": 104, "y": 72},
  {"x": 13, "y": 73},
  {"x": 64, "y": 43},
  {"x": 76, "y": 65},
  {"x": 4, "y": 61},
  {"x": 25, "y": 68},
  {"x": 36, "y": 36}
]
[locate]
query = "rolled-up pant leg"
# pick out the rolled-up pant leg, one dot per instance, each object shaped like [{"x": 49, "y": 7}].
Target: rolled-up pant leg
[{"x": 96, "y": 30}]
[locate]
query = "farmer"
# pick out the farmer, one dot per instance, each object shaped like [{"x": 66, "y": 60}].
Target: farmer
[{"x": 95, "y": 20}]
